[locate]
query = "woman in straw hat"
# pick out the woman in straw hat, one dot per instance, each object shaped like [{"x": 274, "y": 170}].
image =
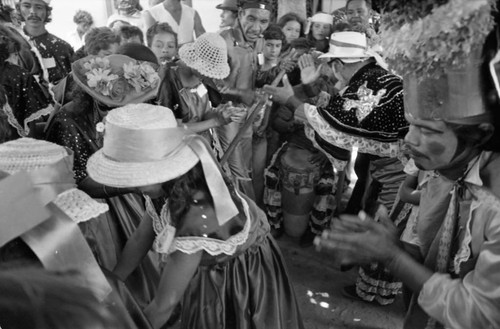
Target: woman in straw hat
[
  {"x": 43, "y": 216},
  {"x": 219, "y": 257},
  {"x": 103, "y": 83},
  {"x": 189, "y": 89}
]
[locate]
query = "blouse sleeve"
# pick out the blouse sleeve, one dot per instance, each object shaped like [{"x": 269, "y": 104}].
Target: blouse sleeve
[
  {"x": 474, "y": 301},
  {"x": 65, "y": 133}
]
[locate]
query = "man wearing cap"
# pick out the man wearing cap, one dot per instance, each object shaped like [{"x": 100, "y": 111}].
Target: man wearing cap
[
  {"x": 367, "y": 113},
  {"x": 55, "y": 53},
  {"x": 229, "y": 13},
  {"x": 244, "y": 42},
  {"x": 452, "y": 108}
]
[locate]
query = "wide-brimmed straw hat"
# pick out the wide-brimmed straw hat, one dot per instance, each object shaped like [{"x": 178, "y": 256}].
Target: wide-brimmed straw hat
[
  {"x": 116, "y": 80},
  {"x": 207, "y": 55},
  {"x": 143, "y": 145},
  {"x": 50, "y": 168}
]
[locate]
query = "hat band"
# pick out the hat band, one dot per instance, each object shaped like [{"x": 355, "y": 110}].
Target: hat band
[
  {"x": 141, "y": 145},
  {"x": 52, "y": 180},
  {"x": 256, "y": 5},
  {"x": 346, "y": 44}
]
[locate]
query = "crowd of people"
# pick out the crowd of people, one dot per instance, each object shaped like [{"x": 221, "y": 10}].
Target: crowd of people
[{"x": 149, "y": 166}]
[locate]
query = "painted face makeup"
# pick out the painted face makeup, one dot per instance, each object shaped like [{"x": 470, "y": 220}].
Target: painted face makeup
[{"x": 431, "y": 143}]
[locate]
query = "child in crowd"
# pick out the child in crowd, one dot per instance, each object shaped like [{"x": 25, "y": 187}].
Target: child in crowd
[
  {"x": 162, "y": 40},
  {"x": 130, "y": 34},
  {"x": 318, "y": 31},
  {"x": 189, "y": 90}
]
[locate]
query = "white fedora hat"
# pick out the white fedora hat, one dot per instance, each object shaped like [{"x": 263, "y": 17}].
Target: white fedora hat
[
  {"x": 143, "y": 145},
  {"x": 350, "y": 47},
  {"x": 50, "y": 167}
]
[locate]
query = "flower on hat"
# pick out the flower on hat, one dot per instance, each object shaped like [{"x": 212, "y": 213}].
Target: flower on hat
[
  {"x": 414, "y": 32},
  {"x": 133, "y": 75},
  {"x": 140, "y": 76}
]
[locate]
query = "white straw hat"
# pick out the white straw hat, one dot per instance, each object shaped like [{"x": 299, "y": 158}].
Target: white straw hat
[
  {"x": 207, "y": 55},
  {"x": 143, "y": 145},
  {"x": 50, "y": 167},
  {"x": 352, "y": 47}
]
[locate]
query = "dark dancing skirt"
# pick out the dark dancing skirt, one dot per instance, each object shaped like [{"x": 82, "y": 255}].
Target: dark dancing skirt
[{"x": 245, "y": 291}]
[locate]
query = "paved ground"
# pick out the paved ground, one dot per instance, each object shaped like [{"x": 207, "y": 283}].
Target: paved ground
[{"x": 318, "y": 284}]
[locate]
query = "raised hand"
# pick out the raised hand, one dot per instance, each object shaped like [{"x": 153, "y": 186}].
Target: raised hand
[{"x": 308, "y": 70}]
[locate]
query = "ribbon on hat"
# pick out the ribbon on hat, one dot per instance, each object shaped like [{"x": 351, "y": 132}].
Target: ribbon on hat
[
  {"x": 225, "y": 209},
  {"x": 54, "y": 238},
  {"x": 53, "y": 179}
]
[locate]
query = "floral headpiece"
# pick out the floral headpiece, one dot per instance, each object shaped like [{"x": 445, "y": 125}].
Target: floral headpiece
[
  {"x": 425, "y": 37},
  {"x": 117, "y": 80}
]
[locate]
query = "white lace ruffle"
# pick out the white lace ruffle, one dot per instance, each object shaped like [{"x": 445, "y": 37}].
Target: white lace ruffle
[
  {"x": 193, "y": 244},
  {"x": 12, "y": 119},
  {"x": 37, "y": 115},
  {"x": 79, "y": 206},
  {"x": 481, "y": 198},
  {"x": 214, "y": 247},
  {"x": 23, "y": 132},
  {"x": 346, "y": 141}
]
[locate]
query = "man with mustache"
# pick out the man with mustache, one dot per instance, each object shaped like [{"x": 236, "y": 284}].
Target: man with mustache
[
  {"x": 452, "y": 108},
  {"x": 244, "y": 43},
  {"x": 55, "y": 53}
]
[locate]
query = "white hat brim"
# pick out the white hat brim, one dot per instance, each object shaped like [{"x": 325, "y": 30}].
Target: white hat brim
[
  {"x": 79, "y": 206},
  {"x": 109, "y": 172}
]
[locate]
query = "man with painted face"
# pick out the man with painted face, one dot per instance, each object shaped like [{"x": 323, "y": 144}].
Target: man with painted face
[
  {"x": 55, "y": 53},
  {"x": 452, "y": 107},
  {"x": 244, "y": 42}
]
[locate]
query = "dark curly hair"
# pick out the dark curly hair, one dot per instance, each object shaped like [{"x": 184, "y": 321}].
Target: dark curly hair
[
  {"x": 292, "y": 17},
  {"x": 48, "y": 8},
  {"x": 9, "y": 44},
  {"x": 274, "y": 32},
  {"x": 82, "y": 16},
  {"x": 179, "y": 191},
  {"x": 158, "y": 28},
  {"x": 100, "y": 38}
]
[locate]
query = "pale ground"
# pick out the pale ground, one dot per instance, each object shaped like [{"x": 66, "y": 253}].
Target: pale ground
[{"x": 316, "y": 280}]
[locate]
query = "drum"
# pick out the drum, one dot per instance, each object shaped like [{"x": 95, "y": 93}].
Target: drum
[{"x": 299, "y": 178}]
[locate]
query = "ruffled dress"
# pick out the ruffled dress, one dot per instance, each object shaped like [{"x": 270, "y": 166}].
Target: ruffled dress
[{"x": 241, "y": 282}]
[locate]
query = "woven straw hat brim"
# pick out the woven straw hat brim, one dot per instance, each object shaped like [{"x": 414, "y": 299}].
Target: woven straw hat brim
[
  {"x": 79, "y": 206},
  {"x": 209, "y": 69},
  {"x": 109, "y": 172}
]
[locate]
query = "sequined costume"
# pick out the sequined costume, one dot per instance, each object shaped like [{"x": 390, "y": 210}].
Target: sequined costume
[
  {"x": 368, "y": 114},
  {"x": 26, "y": 100},
  {"x": 242, "y": 281},
  {"x": 75, "y": 128},
  {"x": 56, "y": 55}
]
